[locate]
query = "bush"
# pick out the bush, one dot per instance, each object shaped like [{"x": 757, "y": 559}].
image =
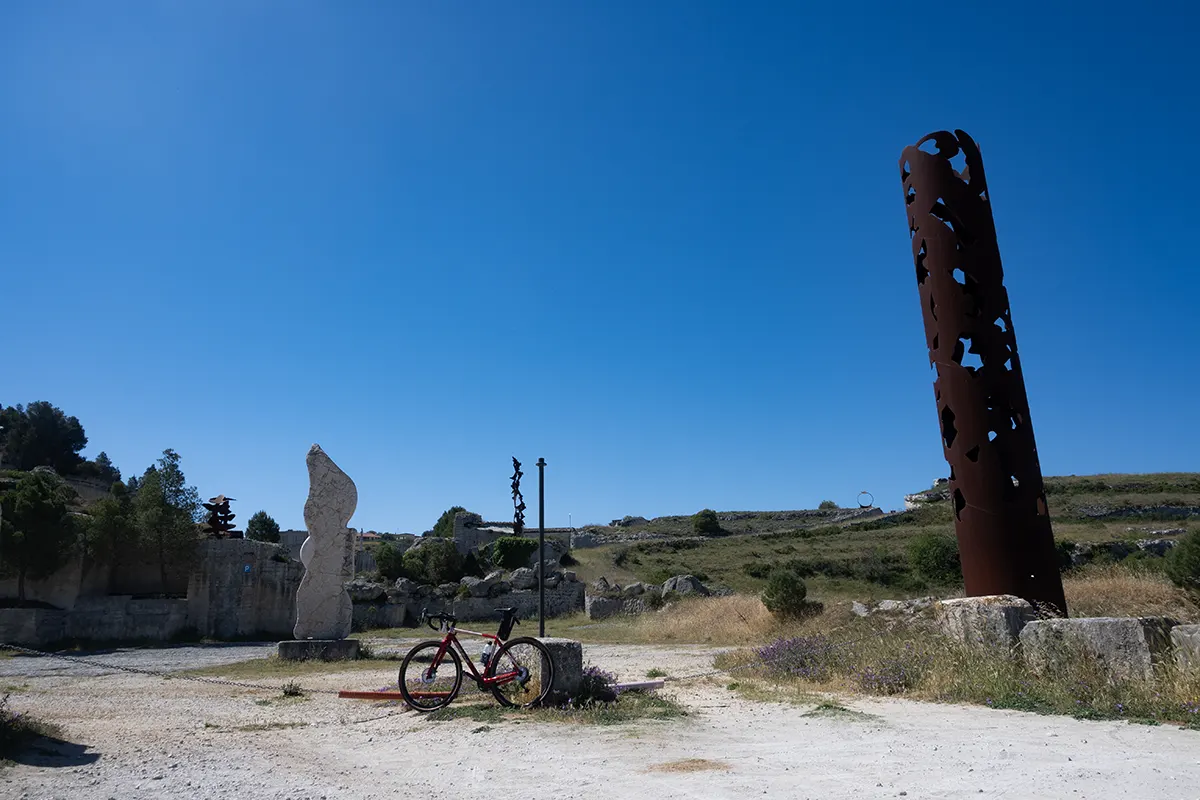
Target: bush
[
  {"x": 474, "y": 566},
  {"x": 434, "y": 561},
  {"x": 827, "y": 505},
  {"x": 934, "y": 557},
  {"x": 785, "y": 594},
  {"x": 1183, "y": 563},
  {"x": 444, "y": 527},
  {"x": 390, "y": 561},
  {"x": 513, "y": 552},
  {"x": 705, "y": 523}
]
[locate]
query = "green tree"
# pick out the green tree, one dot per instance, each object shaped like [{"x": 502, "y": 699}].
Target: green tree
[
  {"x": 36, "y": 532},
  {"x": 827, "y": 505},
  {"x": 164, "y": 529},
  {"x": 934, "y": 557},
  {"x": 444, "y": 527},
  {"x": 390, "y": 561},
  {"x": 705, "y": 523},
  {"x": 785, "y": 593},
  {"x": 110, "y": 535},
  {"x": 174, "y": 486},
  {"x": 433, "y": 560},
  {"x": 41, "y": 435},
  {"x": 262, "y": 528}
]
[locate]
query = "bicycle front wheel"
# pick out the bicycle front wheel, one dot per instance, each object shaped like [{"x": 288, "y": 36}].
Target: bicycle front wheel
[
  {"x": 428, "y": 683},
  {"x": 525, "y": 672}
]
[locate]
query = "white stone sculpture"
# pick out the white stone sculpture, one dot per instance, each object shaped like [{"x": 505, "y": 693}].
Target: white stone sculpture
[{"x": 323, "y": 607}]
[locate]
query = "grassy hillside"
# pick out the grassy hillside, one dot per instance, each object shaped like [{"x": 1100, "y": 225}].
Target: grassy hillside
[{"x": 867, "y": 559}]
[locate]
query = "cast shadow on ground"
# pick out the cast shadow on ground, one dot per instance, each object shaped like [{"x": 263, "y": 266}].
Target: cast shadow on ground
[{"x": 43, "y": 752}]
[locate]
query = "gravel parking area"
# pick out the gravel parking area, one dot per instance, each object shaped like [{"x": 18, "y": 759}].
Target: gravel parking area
[{"x": 138, "y": 736}]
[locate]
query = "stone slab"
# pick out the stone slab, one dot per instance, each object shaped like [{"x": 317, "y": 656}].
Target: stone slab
[
  {"x": 319, "y": 650},
  {"x": 1126, "y": 647},
  {"x": 1186, "y": 641},
  {"x": 988, "y": 621},
  {"x": 567, "y": 655}
]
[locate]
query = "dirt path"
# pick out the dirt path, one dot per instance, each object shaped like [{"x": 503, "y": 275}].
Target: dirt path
[{"x": 142, "y": 737}]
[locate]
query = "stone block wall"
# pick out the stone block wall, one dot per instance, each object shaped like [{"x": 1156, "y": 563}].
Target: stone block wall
[{"x": 241, "y": 589}]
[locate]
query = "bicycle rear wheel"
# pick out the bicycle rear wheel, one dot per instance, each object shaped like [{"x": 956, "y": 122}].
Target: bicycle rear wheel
[
  {"x": 529, "y": 669},
  {"x": 427, "y": 686}
]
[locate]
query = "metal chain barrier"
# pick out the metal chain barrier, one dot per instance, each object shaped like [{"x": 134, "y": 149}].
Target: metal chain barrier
[{"x": 174, "y": 676}]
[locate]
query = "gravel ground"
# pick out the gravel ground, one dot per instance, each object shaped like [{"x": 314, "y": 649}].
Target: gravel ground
[{"x": 137, "y": 736}]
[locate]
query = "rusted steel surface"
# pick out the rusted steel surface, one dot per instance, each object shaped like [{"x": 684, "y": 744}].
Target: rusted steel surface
[{"x": 1001, "y": 519}]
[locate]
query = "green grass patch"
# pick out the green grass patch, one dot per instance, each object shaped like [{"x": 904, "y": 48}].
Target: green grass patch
[{"x": 830, "y": 710}]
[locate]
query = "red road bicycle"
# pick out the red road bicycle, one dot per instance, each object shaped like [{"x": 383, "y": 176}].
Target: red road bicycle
[{"x": 519, "y": 672}]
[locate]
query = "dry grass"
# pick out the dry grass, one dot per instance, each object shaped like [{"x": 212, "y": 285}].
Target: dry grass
[
  {"x": 689, "y": 765},
  {"x": 1116, "y": 590}
]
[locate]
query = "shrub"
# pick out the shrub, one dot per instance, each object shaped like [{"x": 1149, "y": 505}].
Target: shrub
[
  {"x": 595, "y": 687},
  {"x": 434, "y": 561},
  {"x": 807, "y": 657},
  {"x": 705, "y": 523},
  {"x": 390, "y": 561},
  {"x": 513, "y": 552},
  {"x": 1183, "y": 563},
  {"x": 785, "y": 593},
  {"x": 934, "y": 557},
  {"x": 827, "y": 505}
]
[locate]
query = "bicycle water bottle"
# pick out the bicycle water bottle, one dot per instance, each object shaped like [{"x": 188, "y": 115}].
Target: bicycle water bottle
[{"x": 487, "y": 654}]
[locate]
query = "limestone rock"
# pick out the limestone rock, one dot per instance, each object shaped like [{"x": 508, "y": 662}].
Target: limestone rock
[
  {"x": 634, "y": 589},
  {"x": 323, "y": 606},
  {"x": 479, "y": 587},
  {"x": 990, "y": 621},
  {"x": 1127, "y": 647},
  {"x": 685, "y": 584},
  {"x": 364, "y": 591},
  {"x": 600, "y": 586},
  {"x": 447, "y": 589},
  {"x": 499, "y": 588},
  {"x": 600, "y": 607},
  {"x": 494, "y": 575},
  {"x": 859, "y": 610},
  {"x": 552, "y": 580},
  {"x": 1186, "y": 641},
  {"x": 629, "y": 522},
  {"x": 405, "y": 587},
  {"x": 523, "y": 578}
]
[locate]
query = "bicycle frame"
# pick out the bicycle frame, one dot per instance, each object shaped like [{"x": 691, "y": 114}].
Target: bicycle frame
[{"x": 451, "y": 638}]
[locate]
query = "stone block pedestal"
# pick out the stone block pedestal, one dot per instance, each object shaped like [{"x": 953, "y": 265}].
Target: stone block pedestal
[
  {"x": 1127, "y": 647},
  {"x": 567, "y": 655},
  {"x": 986, "y": 622},
  {"x": 319, "y": 650}
]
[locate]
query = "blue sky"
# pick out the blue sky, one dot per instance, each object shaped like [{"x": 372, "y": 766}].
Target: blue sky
[{"x": 661, "y": 245}]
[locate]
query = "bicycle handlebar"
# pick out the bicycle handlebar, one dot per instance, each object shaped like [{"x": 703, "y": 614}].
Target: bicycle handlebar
[{"x": 428, "y": 619}]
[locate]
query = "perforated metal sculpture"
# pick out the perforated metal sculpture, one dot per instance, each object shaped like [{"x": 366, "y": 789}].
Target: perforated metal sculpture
[
  {"x": 1001, "y": 519},
  {"x": 518, "y": 500}
]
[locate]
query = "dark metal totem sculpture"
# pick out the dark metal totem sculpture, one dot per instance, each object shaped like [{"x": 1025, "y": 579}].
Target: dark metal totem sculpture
[
  {"x": 518, "y": 500},
  {"x": 1001, "y": 519}
]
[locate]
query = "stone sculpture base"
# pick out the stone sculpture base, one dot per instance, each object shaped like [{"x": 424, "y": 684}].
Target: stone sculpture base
[
  {"x": 567, "y": 655},
  {"x": 319, "y": 650}
]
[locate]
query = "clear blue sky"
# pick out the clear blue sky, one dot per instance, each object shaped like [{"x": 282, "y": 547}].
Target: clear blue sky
[{"x": 660, "y": 244}]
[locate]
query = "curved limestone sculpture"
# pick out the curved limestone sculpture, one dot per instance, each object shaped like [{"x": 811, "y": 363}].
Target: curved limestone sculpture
[{"x": 323, "y": 608}]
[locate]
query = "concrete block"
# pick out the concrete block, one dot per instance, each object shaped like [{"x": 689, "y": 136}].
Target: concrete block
[
  {"x": 1127, "y": 647},
  {"x": 567, "y": 655},
  {"x": 1186, "y": 641},
  {"x": 319, "y": 650},
  {"x": 988, "y": 621}
]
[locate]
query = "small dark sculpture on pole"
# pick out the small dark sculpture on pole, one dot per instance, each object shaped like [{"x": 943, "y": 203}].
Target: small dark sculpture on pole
[
  {"x": 1001, "y": 519},
  {"x": 518, "y": 500},
  {"x": 220, "y": 519}
]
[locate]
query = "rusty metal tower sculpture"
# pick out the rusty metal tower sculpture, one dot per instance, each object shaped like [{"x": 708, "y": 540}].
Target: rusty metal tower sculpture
[{"x": 1000, "y": 514}]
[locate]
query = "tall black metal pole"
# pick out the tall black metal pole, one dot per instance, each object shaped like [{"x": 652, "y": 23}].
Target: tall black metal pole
[{"x": 541, "y": 465}]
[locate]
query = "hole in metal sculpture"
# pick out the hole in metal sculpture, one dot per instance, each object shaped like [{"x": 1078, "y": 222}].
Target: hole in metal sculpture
[
  {"x": 929, "y": 146},
  {"x": 1015, "y": 481},
  {"x": 960, "y": 276},
  {"x": 964, "y": 356},
  {"x": 959, "y": 163},
  {"x": 1008, "y": 364},
  {"x": 948, "y": 429},
  {"x": 1041, "y": 505},
  {"x": 922, "y": 272},
  {"x": 973, "y": 453},
  {"x": 935, "y": 341},
  {"x": 933, "y": 307},
  {"x": 910, "y": 195},
  {"x": 960, "y": 503},
  {"x": 1000, "y": 323},
  {"x": 992, "y": 436}
]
